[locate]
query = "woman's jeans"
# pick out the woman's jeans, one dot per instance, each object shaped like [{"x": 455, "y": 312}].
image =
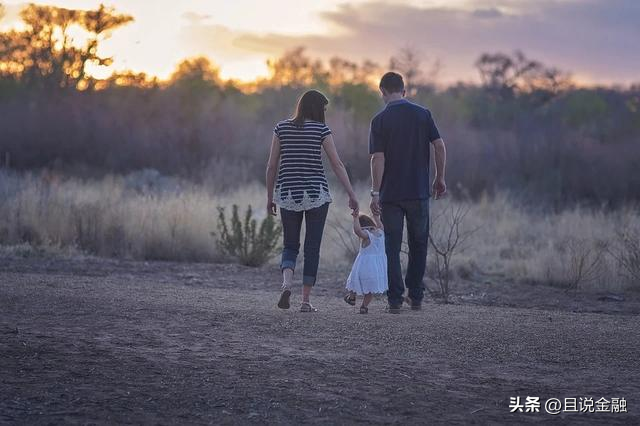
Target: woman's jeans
[{"x": 314, "y": 226}]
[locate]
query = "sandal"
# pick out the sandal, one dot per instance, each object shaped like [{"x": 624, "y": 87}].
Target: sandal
[
  {"x": 307, "y": 307},
  {"x": 364, "y": 310},
  {"x": 283, "y": 303},
  {"x": 350, "y": 299}
]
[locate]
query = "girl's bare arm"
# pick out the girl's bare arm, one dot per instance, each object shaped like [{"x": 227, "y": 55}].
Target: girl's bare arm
[
  {"x": 378, "y": 221},
  {"x": 357, "y": 229}
]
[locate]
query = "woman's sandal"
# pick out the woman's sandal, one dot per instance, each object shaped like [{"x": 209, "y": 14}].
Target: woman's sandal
[
  {"x": 364, "y": 310},
  {"x": 350, "y": 299},
  {"x": 283, "y": 303},
  {"x": 307, "y": 307}
]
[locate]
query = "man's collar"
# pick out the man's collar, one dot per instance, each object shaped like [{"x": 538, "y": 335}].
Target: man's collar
[{"x": 397, "y": 102}]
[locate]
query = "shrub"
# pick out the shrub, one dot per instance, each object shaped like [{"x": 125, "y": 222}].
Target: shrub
[
  {"x": 627, "y": 254},
  {"x": 585, "y": 261},
  {"x": 240, "y": 241}
]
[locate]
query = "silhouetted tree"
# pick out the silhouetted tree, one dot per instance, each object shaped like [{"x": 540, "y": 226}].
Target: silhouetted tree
[
  {"x": 196, "y": 74},
  {"x": 294, "y": 68},
  {"x": 138, "y": 80},
  {"x": 45, "y": 55},
  {"x": 408, "y": 62},
  {"x": 505, "y": 75},
  {"x": 341, "y": 70}
]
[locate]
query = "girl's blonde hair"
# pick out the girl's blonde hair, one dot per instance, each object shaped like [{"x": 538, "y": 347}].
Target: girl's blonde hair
[{"x": 366, "y": 222}]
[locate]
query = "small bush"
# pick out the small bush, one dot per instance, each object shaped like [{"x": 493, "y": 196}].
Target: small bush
[
  {"x": 240, "y": 240},
  {"x": 627, "y": 254},
  {"x": 585, "y": 261}
]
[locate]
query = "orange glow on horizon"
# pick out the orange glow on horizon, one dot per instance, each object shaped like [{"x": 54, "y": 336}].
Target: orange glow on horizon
[{"x": 240, "y": 37}]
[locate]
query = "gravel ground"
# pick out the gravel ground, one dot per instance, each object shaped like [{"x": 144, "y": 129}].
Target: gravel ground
[{"x": 96, "y": 341}]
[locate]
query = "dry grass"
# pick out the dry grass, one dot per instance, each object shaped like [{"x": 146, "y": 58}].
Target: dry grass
[
  {"x": 146, "y": 216},
  {"x": 116, "y": 216}
]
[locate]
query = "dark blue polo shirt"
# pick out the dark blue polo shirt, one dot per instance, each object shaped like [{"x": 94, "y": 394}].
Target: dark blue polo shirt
[{"x": 403, "y": 131}]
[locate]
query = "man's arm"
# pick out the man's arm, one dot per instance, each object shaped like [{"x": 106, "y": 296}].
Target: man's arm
[
  {"x": 378, "y": 221},
  {"x": 377, "y": 145},
  {"x": 377, "y": 170},
  {"x": 439, "y": 185}
]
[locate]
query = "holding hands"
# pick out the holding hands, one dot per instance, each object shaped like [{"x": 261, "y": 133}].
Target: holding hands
[
  {"x": 353, "y": 204},
  {"x": 375, "y": 205}
]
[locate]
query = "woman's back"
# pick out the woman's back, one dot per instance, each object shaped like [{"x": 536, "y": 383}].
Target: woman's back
[{"x": 301, "y": 183}]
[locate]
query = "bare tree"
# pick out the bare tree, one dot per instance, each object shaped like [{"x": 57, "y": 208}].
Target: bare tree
[
  {"x": 447, "y": 238},
  {"x": 407, "y": 62}
]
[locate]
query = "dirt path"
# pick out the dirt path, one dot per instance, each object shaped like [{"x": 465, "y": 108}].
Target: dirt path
[{"x": 120, "y": 342}]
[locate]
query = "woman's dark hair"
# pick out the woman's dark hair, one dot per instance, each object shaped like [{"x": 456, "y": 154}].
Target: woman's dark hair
[
  {"x": 366, "y": 222},
  {"x": 310, "y": 107},
  {"x": 392, "y": 82}
]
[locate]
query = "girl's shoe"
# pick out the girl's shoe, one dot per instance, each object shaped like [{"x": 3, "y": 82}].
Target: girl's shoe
[
  {"x": 307, "y": 307},
  {"x": 350, "y": 299},
  {"x": 283, "y": 303},
  {"x": 364, "y": 310}
]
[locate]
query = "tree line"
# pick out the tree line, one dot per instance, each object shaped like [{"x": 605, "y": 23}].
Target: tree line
[{"x": 526, "y": 127}]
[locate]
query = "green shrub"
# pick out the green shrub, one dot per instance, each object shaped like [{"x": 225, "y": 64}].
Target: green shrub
[{"x": 240, "y": 240}]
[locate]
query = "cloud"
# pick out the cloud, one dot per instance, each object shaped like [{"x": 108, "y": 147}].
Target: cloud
[
  {"x": 596, "y": 40},
  {"x": 195, "y": 18},
  {"x": 487, "y": 13}
]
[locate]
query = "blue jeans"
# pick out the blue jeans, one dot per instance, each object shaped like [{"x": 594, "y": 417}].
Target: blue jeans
[
  {"x": 314, "y": 227},
  {"x": 393, "y": 215}
]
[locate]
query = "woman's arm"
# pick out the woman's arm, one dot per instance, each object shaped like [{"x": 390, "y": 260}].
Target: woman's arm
[
  {"x": 340, "y": 171},
  {"x": 272, "y": 168}
]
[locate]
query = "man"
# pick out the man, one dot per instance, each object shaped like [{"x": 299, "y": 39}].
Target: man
[{"x": 399, "y": 146}]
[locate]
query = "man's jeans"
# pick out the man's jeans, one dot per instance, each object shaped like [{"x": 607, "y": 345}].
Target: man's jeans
[
  {"x": 417, "y": 214},
  {"x": 314, "y": 226}
]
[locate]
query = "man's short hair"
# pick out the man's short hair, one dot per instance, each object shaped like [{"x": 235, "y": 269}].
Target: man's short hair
[{"x": 392, "y": 82}]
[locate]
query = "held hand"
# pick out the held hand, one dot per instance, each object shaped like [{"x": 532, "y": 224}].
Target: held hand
[
  {"x": 353, "y": 204},
  {"x": 439, "y": 188},
  {"x": 375, "y": 205},
  {"x": 271, "y": 208}
]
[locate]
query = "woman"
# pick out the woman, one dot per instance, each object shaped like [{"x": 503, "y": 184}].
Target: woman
[{"x": 301, "y": 189}]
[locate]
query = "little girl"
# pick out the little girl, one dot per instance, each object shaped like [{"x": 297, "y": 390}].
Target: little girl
[{"x": 369, "y": 272}]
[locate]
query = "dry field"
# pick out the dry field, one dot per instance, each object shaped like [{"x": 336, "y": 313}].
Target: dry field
[{"x": 85, "y": 340}]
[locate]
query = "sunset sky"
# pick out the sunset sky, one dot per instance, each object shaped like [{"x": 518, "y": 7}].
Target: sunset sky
[{"x": 596, "y": 40}]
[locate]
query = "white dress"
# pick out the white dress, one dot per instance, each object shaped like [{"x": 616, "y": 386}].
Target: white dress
[{"x": 369, "y": 271}]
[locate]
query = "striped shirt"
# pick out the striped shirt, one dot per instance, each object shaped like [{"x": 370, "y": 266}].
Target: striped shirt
[{"x": 301, "y": 183}]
